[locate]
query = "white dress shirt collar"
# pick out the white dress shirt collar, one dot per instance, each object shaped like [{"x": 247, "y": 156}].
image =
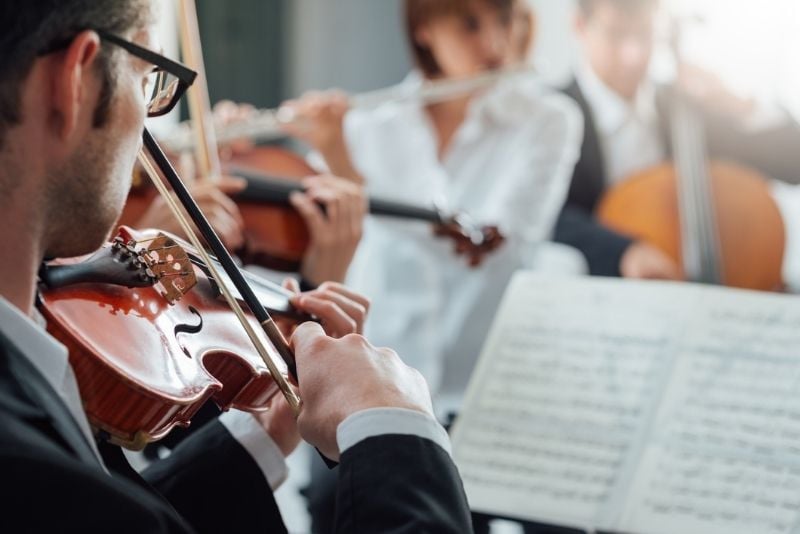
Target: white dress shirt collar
[
  {"x": 629, "y": 132},
  {"x": 610, "y": 111},
  {"x": 50, "y": 358}
]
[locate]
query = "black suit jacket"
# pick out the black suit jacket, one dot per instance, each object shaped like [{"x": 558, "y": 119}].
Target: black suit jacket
[
  {"x": 51, "y": 481},
  {"x": 772, "y": 151}
]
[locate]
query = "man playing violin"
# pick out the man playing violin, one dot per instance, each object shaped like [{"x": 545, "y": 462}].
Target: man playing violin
[
  {"x": 625, "y": 116},
  {"x": 72, "y": 106}
]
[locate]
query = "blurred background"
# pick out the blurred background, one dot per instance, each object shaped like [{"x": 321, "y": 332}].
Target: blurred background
[{"x": 264, "y": 51}]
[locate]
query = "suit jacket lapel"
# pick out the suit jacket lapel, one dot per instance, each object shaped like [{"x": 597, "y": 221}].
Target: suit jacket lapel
[
  {"x": 39, "y": 392},
  {"x": 590, "y": 179}
]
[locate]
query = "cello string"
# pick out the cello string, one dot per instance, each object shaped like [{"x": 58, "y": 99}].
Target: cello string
[{"x": 685, "y": 201}]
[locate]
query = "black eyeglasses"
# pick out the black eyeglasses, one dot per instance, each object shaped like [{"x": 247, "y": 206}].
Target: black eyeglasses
[
  {"x": 168, "y": 81},
  {"x": 165, "y": 85}
]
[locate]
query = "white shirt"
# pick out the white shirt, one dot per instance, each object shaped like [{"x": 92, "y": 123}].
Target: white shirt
[
  {"x": 508, "y": 164},
  {"x": 629, "y": 132},
  {"x": 51, "y": 359},
  {"x": 631, "y": 141}
]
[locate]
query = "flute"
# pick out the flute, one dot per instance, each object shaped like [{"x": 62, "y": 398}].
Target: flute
[{"x": 268, "y": 124}]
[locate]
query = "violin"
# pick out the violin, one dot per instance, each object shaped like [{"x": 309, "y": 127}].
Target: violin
[
  {"x": 275, "y": 234},
  {"x": 277, "y": 238},
  {"x": 151, "y": 340},
  {"x": 717, "y": 220}
]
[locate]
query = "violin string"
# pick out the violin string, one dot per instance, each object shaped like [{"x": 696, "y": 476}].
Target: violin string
[{"x": 287, "y": 391}]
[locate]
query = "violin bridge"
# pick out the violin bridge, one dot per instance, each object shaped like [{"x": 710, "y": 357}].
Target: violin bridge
[{"x": 172, "y": 268}]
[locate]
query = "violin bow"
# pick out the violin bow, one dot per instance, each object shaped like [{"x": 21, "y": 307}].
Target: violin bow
[{"x": 160, "y": 169}]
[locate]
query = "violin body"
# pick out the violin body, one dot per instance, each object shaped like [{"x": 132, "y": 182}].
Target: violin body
[
  {"x": 749, "y": 226},
  {"x": 144, "y": 365},
  {"x": 279, "y": 240},
  {"x": 276, "y": 236}
]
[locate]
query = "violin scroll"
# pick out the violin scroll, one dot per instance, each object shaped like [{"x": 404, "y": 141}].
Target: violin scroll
[{"x": 471, "y": 241}]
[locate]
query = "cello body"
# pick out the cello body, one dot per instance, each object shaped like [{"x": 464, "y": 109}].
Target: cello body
[{"x": 750, "y": 231}]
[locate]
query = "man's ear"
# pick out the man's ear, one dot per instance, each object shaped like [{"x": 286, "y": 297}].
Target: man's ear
[{"x": 73, "y": 81}]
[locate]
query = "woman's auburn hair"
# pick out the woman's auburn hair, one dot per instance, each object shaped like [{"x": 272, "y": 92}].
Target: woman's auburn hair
[{"x": 418, "y": 12}]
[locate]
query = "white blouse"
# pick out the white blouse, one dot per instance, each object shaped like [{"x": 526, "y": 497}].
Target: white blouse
[{"x": 509, "y": 164}]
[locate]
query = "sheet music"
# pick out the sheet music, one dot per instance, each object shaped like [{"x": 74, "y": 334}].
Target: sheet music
[
  {"x": 724, "y": 454},
  {"x": 639, "y": 407},
  {"x": 560, "y": 398}
]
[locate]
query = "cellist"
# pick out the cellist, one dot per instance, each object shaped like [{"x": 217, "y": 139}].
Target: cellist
[{"x": 626, "y": 124}]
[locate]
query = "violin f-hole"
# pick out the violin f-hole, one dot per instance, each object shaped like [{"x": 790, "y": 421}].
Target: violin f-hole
[{"x": 191, "y": 329}]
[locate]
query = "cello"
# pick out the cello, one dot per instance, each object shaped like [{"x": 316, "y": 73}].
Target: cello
[{"x": 716, "y": 219}]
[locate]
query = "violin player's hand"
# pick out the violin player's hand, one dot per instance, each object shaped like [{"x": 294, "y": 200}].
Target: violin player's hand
[
  {"x": 340, "y": 310},
  {"x": 339, "y": 377},
  {"x": 222, "y": 212},
  {"x": 644, "y": 261},
  {"x": 333, "y": 210},
  {"x": 317, "y": 118}
]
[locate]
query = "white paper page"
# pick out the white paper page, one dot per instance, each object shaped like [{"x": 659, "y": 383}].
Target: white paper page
[
  {"x": 566, "y": 383},
  {"x": 725, "y": 449}
]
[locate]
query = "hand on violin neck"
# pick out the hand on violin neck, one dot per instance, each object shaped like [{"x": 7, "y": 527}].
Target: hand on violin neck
[
  {"x": 222, "y": 212},
  {"x": 333, "y": 210},
  {"x": 644, "y": 261},
  {"x": 341, "y": 311},
  {"x": 340, "y": 377}
]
